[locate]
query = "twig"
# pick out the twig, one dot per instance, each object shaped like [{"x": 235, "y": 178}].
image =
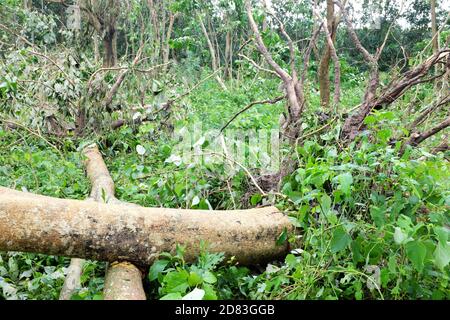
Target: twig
[
  {"x": 243, "y": 168},
  {"x": 257, "y": 66},
  {"x": 270, "y": 101}
]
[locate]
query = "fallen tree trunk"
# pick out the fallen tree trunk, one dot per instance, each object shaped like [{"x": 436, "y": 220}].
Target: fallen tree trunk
[{"x": 111, "y": 232}]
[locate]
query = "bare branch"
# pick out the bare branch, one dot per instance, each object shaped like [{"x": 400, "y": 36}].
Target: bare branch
[
  {"x": 257, "y": 66},
  {"x": 337, "y": 69},
  {"x": 269, "y": 101},
  {"x": 417, "y": 138},
  {"x": 262, "y": 47},
  {"x": 367, "y": 56}
]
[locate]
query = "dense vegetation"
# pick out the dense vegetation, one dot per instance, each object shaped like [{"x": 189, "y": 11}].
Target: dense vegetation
[{"x": 371, "y": 211}]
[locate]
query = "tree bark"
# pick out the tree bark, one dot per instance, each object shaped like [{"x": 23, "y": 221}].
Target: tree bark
[
  {"x": 111, "y": 232},
  {"x": 123, "y": 280},
  {"x": 102, "y": 190},
  {"x": 417, "y": 138},
  {"x": 167, "y": 40},
  {"x": 324, "y": 77},
  {"x": 212, "y": 52},
  {"x": 72, "y": 282},
  {"x": 434, "y": 30},
  {"x": 109, "y": 53}
]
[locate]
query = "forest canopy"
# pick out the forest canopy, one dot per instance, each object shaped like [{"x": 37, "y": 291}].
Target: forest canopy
[{"x": 241, "y": 149}]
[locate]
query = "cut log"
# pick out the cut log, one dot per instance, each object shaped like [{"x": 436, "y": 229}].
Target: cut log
[
  {"x": 123, "y": 282},
  {"x": 114, "y": 232}
]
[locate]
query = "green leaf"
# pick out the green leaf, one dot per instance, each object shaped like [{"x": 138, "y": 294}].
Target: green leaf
[
  {"x": 295, "y": 196},
  {"x": 384, "y": 134},
  {"x": 176, "y": 281},
  {"x": 282, "y": 238},
  {"x": 442, "y": 255},
  {"x": 194, "y": 279},
  {"x": 209, "y": 277},
  {"x": 157, "y": 267},
  {"x": 356, "y": 250},
  {"x": 210, "y": 293},
  {"x": 378, "y": 215},
  {"x": 325, "y": 204},
  {"x": 256, "y": 198},
  {"x": 441, "y": 233},
  {"x": 340, "y": 240},
  {"x": 172, "y": 296},
  {"x": 345, "y": 182},
  {"x": 416, "y": 252},
  {"x": 179, "y": 187},
  {"x": 370, "y": 120}
]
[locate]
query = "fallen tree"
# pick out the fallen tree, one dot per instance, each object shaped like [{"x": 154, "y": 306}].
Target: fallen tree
[{"x": 116, "y": 232}]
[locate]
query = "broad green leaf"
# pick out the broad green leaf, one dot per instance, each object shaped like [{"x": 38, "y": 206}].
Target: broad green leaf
[
  {"x": 194, "y": 279},
  {"x": 176, "y": 281},
  {"x": 399, "y": 236},
  {"x": 256, "y": 198},
  {"x": 172, "y": 296},
  {"x": 442, "y": 255},
  {"x": 340, "y": 240},
  {"x": 157, "y": 267},
  {"x": 345, "y": 182},
  {"x": 209, "y": 277},
  {"x": 378, "y": 215},
  {"x": 325, "y": 204},
  {"x": 416, "y": 252},
  {"x": 210, "y": 293}
]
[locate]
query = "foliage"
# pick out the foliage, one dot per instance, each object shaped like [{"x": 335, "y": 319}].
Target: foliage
[{"x": 370, "y": 224}]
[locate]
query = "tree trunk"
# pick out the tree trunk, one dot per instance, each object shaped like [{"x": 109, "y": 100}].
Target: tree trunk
[
  {"x": 228, "y": 55},
  {"x": 324, "y": 77},
  {"x": 111, "y": 232},
  {"x": 27, "y": 4},
  {"x": 109, "y": 47},
  {"x": 212, "y": 52},
  {"x": 434, "y": 31},
  {"x": 167, "y": 40},
  {"x": 96, "y": 48}
]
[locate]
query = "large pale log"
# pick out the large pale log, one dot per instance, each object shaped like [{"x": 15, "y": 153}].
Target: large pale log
[{"x": 111, "y": 232}]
